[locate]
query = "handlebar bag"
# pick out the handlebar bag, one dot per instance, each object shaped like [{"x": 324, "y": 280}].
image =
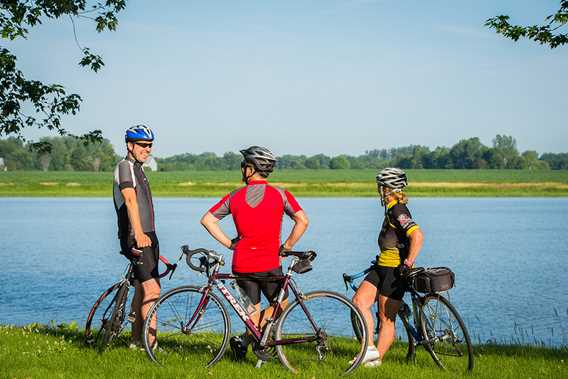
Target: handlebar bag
[
  {"x": 434, "y": 279},
  {"x": 302, "y": 266}
]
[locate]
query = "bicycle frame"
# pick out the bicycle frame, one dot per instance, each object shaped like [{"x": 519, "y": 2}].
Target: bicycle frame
[
  {"x": 217, "y": 279},
  {"x": 127, "y": 281},
  {"x": 404, "y": 311},
  {"x": 124, "y": 281}
]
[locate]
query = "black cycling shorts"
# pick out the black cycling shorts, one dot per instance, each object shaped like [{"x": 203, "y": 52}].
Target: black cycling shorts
[
  {"x": 146, "y": 266},
  {"x": 387, "y": 282},
  {"x": 255, "y": 282}
]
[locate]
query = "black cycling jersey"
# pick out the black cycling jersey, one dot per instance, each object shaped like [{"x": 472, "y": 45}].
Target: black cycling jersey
[
  {"x": 129, "y": 174},
  {"x": 393, "y": 238}
]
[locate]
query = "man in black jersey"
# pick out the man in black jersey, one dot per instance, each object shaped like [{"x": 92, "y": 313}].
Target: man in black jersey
[{"x": 136, "y": 228}]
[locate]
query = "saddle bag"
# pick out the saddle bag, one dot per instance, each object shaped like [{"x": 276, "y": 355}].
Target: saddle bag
[{"x": 434, "y": 279}]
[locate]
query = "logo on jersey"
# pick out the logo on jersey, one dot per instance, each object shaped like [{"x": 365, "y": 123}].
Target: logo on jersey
[{"x": 404, "y": 220}]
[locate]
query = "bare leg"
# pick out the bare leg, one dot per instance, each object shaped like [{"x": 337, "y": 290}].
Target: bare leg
[
  {"x": 151, "y": 293},
  {"x": 266, "y": 313},
  {"x": 388, "y": 309},
  {"x": 260, "y": 317},
  {"x": 136, "y": 307},
  {"x": 255, "y": 316},
  {"x": 364, "y": 299}
]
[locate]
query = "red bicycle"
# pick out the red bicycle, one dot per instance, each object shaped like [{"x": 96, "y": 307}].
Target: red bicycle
[
  {"x": 314, "y": 331},
  {"x": 108, "y": 315}
]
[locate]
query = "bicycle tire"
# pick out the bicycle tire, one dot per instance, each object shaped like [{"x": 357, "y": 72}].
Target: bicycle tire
[
  {"x": 98, "y": 321},
  {"x": 205, "y": 340},
  {"x": 117, "y": 318},
  {"x": 332, "y": 314},
  {"x": 356, "y": 326},
  {"x": 445, "y": 335}
]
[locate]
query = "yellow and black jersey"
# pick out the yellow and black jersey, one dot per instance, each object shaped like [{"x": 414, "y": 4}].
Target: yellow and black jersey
[{"x": 393, "y": 238}]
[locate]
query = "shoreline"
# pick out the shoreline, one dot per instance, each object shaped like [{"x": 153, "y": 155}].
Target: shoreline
[{"x": 302, "y": 183}]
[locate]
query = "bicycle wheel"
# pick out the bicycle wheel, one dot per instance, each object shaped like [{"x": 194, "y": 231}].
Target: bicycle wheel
[
  {"x": 445, "y": 334},
  {"x": 356, "y": 326},
  {"x": 99, "y": 325},
  {"x": 330, "y": 342},
  {"x": 185, "y": 331}
]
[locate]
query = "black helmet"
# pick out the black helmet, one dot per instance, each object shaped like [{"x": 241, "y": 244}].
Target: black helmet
[
  {"x": 393, "y": 178},
  {"x": 260, "y": 158}
]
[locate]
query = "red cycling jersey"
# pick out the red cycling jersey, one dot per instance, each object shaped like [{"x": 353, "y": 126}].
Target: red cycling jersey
[{"x": 257, "y": 211}]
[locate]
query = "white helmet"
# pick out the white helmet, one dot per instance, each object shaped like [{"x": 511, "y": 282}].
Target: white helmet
[{"x": 393, "y": 178}]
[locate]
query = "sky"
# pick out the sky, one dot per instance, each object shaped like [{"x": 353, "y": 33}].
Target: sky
[{"x": 308, "y": 77}]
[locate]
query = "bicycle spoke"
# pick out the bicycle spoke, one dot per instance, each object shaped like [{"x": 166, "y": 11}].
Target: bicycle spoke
[
  {"x": 105, "y": 320},
  {"x": 172, "y": 324},
  {"x": 333, "y": 344},
  {"x": 203, "y": 340},
  {"x": 446, "y": 336},
  {"x": 174, "y": 310}
]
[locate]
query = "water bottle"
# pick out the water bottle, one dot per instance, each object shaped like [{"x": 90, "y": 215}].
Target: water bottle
[{"x": 243, "y": 298}]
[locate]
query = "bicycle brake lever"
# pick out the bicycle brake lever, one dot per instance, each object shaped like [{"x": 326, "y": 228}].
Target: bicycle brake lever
[
  {"x": 174, "y": 266},
  {"x": 345, "y": 280}
]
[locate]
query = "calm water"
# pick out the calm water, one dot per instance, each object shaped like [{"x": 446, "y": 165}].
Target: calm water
[{"x": 510, "y": 256}]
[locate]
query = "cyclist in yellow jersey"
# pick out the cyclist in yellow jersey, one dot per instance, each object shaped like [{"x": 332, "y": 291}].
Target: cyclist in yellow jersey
[{"x": 400, "y": 241}]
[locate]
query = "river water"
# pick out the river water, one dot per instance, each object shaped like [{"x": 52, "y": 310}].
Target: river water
[{"x": 510, "y": 255}]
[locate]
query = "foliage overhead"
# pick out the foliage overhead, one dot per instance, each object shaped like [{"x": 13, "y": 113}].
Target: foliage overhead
[
  {"x": 25, "y": 102},
  {"x": 66, "y": 154},
  {"x": 545, "y": 34}
]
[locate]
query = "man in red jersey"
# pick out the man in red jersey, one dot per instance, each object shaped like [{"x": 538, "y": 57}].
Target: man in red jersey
[{"x": 257, "y": 211}]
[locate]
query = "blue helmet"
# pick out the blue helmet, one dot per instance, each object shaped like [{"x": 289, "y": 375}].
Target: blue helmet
[{"x": 139, "y": 133}]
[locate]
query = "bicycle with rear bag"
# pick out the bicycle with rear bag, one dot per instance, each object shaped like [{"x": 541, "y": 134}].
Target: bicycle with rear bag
[
  {"x": 314, "y": 331},
  {"x": 431, "y": 321},
  {"x": 108, "y": 316}
]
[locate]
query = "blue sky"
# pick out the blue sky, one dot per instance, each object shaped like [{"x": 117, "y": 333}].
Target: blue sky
[{"x": 304, "y": 77}]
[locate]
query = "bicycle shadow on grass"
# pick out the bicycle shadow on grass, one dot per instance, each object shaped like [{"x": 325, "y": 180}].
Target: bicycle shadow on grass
[{"x": 71, "y": 333}]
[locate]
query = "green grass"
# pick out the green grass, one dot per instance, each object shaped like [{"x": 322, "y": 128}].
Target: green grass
[
  {"x": 39, "y": 352},
  {"x": 335, "y": 183}
]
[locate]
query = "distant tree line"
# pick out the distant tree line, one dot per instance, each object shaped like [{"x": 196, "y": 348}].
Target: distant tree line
[
  {"x": 69, "y": 153},
  {"x": 466, "y": 154}
]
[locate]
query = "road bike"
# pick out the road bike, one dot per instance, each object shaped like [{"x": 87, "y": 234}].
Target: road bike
[
  {"x": 313, "y": 331},
  {"x": 107, "y": 316},
  {"x": 432, "y": 321}
]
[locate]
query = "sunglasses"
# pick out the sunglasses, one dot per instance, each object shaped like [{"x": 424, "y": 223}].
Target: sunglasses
[{"x": 144, "y": 145}]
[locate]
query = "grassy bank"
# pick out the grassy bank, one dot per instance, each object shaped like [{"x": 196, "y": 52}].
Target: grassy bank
[
  {"x": 39, "y": 352},
  {"x": 342, "y": 183}
]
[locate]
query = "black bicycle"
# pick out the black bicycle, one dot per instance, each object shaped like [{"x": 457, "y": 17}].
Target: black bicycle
[
  {"x": 432, "y": 321},
  {"x": 312, "y": 332},
  {"x": 108, "y": 315}
]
